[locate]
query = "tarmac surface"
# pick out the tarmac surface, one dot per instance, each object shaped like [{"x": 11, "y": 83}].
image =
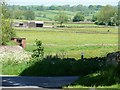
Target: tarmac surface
[{"x": 35, "y": 83}]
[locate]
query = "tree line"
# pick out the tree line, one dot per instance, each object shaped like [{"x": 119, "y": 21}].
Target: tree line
[
  {"x": 84, "y": 9},
  {"x": 101, "y": 15},
  {"x": 108, "y": 15},
  {"x": 28, "y": 12}
]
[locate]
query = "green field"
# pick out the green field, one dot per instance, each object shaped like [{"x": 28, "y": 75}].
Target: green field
[
  {"x": 71, "y": 42},
  {"x": 50, "y": 14}
]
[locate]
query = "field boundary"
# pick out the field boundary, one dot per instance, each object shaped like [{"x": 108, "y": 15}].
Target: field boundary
[
  {"x": 79, "y": 45},
  {"x": 78, "y": 32}
]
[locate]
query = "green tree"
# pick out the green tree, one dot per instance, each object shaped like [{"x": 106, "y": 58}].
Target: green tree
[
  {"x": 18, "y": 14},
  {"x": 94, "y": 18},
  {"x": 38, "y": 53},
  {"x": 52, "y": 7},
  {"x": 39, "y": 14},
  {"x": 61, "y": 18},
  {"x": 5, "y": 11},
  {"x": 6, "y": 25},
  {"x": 41, "y": 8},
  {"x": 115, "y": 19},
  {"x": 78, "y": 17},
  {"x": 29, "y": 15},
  {"x": 105, "y": 15}
]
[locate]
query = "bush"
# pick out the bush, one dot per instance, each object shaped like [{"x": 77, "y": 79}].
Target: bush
[
  {"x": 99, "y": 23},
  {"x": 78, "y": 17},
  {"x": 38, "y": 52}
]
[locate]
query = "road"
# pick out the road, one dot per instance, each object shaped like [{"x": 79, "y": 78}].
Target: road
[{"x": 38, "y": 83}]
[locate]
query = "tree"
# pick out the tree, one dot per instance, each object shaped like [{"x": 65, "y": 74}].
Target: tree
[
  {"x": 41, "y": 8},
  {"x": 61, "y": 18},
  {"x": 18, "y": 14},
  {"x": 38, "y": 53},
  {"x": 94, "y": 18},
  {"x": 78, "y": 17},
  {"x": 5, "y": 11},
  {"x": 6, "y": 25},
  {"x": 105, "y": 15},
  {"x": 115, "y": 19},
  {"x": 39, "y": 14},
  {"x": 52, "y": 7},
  {"x": 29, "y": 15}
]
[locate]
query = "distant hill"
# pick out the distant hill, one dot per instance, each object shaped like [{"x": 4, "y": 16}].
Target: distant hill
[{"x": 47, "y": 13}]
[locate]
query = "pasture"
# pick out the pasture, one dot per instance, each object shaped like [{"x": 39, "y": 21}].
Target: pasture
[
  {"x": 66, "y": 45},
  {"x": 49, "y": 15},
  {"x": 71, "y": 42}
]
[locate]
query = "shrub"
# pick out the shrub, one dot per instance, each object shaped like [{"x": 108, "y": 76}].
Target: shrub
[{"x": 38, "y": 52}]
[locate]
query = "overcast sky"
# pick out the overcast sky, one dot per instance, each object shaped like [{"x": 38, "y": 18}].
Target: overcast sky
[{"x": 62, "y": 2}]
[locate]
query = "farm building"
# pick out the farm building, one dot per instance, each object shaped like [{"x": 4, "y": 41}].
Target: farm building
[
  {"x": 29, "y": 24},
  {"x": 20, "y": 41},
  {"x": 20, "y": 24},
  {"x": 35, "y": 24}
]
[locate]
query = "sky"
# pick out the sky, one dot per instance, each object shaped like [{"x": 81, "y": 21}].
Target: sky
[{"x": 63, "y": 2}]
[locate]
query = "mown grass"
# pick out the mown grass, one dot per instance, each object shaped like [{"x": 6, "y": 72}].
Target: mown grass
[
  {"x": 65, "y": 38},
  {"x": 67, "y": 42},
  {"x": 92, "y": 30}
]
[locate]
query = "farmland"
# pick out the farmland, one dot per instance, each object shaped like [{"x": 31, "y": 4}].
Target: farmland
[
  {"x": 50, "y": 14},
  {"x": 71, "y": 42}
]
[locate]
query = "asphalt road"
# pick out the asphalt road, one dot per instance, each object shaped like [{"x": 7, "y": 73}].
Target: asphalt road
[{"x": 36, "y": 83}]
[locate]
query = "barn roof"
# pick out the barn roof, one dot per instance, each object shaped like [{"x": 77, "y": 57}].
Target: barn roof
[{"x": 41, "y": 22}]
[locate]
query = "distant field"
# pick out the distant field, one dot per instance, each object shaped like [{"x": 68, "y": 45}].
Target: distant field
[
  {"x": 68, "y": 43},
  {"x": 65, "y": 38},
  {"x": 92, "y": 30},
  {"x": 49, "y": 15},
  {"x": 70, "y": 24}
]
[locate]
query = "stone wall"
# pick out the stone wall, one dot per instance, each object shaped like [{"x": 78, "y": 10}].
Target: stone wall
[{"x": 113, "y": 58}]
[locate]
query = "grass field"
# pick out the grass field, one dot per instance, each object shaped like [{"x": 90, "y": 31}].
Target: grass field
[
  {"x": 92, "y": 30},
  {"x": 71, "y": 42},
  {"x": 49, "y": 15}
]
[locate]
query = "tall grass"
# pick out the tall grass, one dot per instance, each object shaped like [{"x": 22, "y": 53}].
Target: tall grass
[{"x": 75, "y": 51}]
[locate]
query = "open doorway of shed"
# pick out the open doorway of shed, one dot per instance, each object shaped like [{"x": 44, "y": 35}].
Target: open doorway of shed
[
  {"x": 21, "y": 24},
  {"x": 39, "y": 25}
]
